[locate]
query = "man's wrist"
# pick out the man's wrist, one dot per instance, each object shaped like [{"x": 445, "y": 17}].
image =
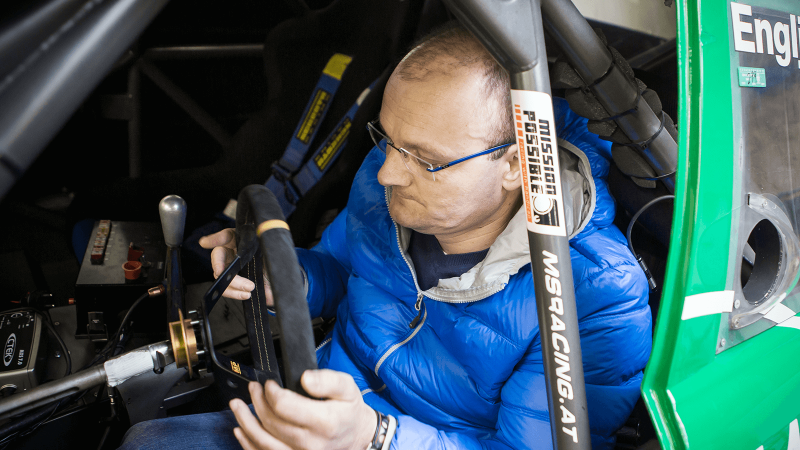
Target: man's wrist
[{"x": 384, "y": 432}]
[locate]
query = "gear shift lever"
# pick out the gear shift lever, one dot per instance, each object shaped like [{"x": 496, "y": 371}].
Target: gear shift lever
[{"x": 172, "y": 210}]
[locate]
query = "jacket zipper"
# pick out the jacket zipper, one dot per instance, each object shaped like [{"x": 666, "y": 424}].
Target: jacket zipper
[
  {"x": 418, "y": 307},
  {"x": 322, "y": 344},
  {"x": 418, "y": 304},
  {"x": 420, "y": 297},
  {"x": 400, "y": 344},
  {"x": 422, "y": 314}
]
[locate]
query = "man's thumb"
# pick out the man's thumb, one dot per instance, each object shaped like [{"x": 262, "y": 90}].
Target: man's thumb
[
  {"x": 215, "y": 240},
  {"x": 328, "y": 384}
]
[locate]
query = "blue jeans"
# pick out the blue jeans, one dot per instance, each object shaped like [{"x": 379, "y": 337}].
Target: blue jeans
[{"x": 197, "y": 431}]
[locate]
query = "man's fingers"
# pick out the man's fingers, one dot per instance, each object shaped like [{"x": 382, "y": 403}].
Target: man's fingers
[
  {"x": 264, "y": 411},
  {"x": 236, "y": 295},
  {"x": 329, "y": 384},
  {"x": 290, "y": 407},
  {"x": 220, "y": 238},
  {"x": 239, "y": 289},
  {"x": 261, "y": 441},
  {"x": 251, "y": 432},
  {"x": 243, "y": 440},
  {"x": 269, "y": 297},
  {"x": 257, "y": 396},
  {"x": 285, "y": 430},
  {"x": 246, "y": 419},
  {"x": 220, "y": 258},
  {"x": 283, "y": 404}
]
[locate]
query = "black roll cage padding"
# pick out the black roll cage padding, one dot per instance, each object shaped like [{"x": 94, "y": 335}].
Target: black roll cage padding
[
  {"x": 643, "y": 145},
  {"x": 591, "y": 59},
  {"x": 631, "y": 110}
]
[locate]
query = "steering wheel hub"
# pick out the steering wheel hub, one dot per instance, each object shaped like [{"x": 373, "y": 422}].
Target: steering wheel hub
[{"x": 184, "y": 343}]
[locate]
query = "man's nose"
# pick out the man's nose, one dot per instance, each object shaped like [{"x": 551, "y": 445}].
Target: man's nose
[{"x": 394, "y": 172}]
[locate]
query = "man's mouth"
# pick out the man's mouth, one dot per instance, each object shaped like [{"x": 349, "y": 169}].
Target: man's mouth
[{"x": 403, "y": 197}]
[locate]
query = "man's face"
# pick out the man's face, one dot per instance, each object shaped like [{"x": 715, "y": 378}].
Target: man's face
[{"x": 439, "y": 119}]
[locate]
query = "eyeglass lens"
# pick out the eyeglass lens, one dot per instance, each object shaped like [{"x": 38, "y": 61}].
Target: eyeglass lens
[{"x": 413, "y": 164}]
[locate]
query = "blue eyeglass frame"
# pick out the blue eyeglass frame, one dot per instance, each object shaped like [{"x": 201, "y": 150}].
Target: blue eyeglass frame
[{"x": 371, "y": 126}]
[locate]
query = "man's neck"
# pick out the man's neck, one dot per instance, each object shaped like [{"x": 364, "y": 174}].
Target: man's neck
[{"x": 480, "y": 238}]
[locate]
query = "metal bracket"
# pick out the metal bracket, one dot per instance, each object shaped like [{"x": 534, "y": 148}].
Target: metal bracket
[{"x": 143, "y": 395}]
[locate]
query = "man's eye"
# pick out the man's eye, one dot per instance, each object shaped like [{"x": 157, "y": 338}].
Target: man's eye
[{"x": 424, "y": 164}]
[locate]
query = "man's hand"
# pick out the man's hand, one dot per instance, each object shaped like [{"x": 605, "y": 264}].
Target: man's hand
[
  {"x": 224, "y": 245},
  {"x": 291, "y": 421}
]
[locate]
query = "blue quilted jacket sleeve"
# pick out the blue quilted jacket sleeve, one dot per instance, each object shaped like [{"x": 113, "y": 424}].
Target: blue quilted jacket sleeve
[{"x": 327, "y": 268}]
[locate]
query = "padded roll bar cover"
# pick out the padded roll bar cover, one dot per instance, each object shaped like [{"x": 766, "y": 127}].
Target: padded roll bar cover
[{"x": 258, "y": 204}]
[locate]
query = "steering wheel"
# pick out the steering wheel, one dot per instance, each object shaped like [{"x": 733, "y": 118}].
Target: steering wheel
[{"x": 260, "y": 224}]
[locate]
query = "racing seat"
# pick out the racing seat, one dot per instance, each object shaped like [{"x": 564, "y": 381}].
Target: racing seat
[{"x": 296, "y": 51}]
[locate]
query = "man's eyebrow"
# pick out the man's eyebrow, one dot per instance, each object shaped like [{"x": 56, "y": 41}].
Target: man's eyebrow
[{"x": 423, "y": 150}]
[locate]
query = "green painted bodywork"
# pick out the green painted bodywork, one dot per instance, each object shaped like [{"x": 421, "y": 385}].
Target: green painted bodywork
[{"x": 745, "y": 396}]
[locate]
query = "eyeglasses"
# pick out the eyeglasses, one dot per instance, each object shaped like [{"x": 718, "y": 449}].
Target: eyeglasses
[{"x": 415, "y": 165}]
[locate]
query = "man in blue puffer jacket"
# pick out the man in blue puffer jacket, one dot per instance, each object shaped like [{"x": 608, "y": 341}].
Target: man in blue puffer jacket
[{"x": 428, "y": 275}]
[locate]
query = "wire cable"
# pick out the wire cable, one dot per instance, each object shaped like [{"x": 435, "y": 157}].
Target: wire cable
[
  {"x": 22, "y": 426},
  {"x": 30, "y": 422},
  {"x": 67, "y": 357},
  {"x": 650, "y": 280},
  {"x": 25, "y": 424},
  {"x": 115, "y": 338}
]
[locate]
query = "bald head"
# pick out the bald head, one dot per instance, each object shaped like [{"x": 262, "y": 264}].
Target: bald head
[{"x": 452, "y": 50}]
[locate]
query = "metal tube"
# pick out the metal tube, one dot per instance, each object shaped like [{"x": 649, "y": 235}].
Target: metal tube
[
  {"x": 647, "y": 58},
  {"x": 550, "y": 259},
  {"x": 174, "y": 281},
  {"x": 550, "y": 255},
  {"x": 172, "y": 210},
  {"x": 592, "y": 60},
  {"x": 205, "y": 52},
  {"x": 38, "y": 100},
  {"x": 52, "y": 391},
  {"x": 135, "y": 122},
  {"x": 24, "y": 34},
  {"x": 186, "y": 102}
]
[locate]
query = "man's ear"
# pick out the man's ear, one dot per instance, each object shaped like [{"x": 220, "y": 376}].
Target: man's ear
[{"x": 511, "y": 174}]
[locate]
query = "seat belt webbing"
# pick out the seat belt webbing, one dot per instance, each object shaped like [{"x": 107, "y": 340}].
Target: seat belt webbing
[
  {"x": 289, "y": 190},
  {"x": 316, "y": 109}
]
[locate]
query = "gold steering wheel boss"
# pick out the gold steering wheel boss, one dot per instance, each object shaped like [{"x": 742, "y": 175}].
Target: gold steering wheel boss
[{"x": 184, "y": 343}]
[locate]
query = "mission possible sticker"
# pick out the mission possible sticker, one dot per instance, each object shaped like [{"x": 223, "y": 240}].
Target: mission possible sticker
[{"x": 538, "y": 158}]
